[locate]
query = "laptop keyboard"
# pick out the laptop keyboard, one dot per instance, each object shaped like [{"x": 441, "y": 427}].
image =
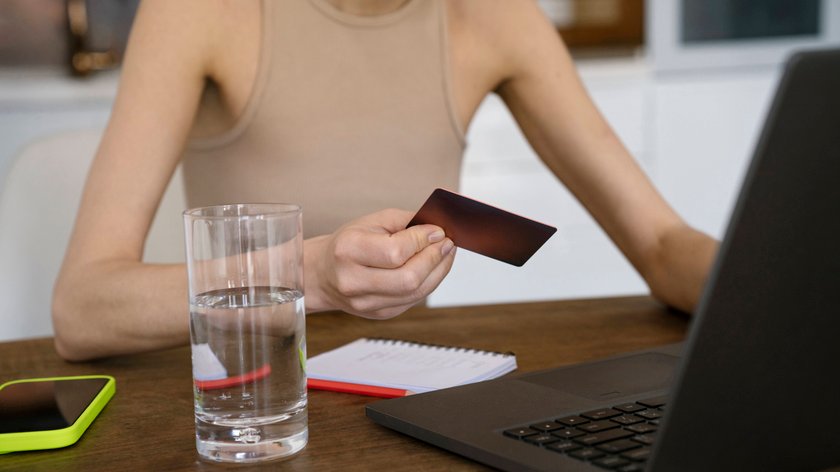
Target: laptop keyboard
[{"x": 616, "y": 438}]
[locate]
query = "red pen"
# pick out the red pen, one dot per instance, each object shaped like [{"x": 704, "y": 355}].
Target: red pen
[
  {"x": 359, "y": 389},
  {"x": 228, "y": 382}
]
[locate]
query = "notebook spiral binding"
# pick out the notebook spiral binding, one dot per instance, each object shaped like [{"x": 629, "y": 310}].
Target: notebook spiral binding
[{"x": 443, "y": 347}]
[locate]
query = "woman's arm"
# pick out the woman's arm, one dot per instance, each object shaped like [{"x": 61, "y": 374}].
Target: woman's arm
[
  {"x": 544, "y": 93},
  {"x": 106, "y": 300}
]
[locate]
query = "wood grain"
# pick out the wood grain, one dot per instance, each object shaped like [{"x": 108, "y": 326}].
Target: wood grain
[{"x": 148, "y": 425}]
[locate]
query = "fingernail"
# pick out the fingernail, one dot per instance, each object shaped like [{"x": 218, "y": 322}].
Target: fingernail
[
  {"x": 447, "y": 247},
  {"x": 436, "y": 236}
]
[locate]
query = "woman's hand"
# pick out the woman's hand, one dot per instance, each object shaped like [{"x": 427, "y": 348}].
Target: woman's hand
[{"x": 374, "y": 266}]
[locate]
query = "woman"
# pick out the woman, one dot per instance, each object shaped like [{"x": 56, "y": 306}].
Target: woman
[{"x": 345, "y": 106}]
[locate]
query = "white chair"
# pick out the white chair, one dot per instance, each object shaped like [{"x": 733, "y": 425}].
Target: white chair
[{"x": 38, "y": 204}]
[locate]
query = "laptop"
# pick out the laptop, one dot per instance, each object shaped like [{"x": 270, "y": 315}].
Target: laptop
[{"x": 756, "y": 384}]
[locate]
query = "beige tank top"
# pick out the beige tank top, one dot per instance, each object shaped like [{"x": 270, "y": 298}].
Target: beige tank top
[{"x": 348, "y": 115}]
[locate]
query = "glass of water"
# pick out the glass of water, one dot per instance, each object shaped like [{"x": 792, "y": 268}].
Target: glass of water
[{"x": 247, "y": 330}]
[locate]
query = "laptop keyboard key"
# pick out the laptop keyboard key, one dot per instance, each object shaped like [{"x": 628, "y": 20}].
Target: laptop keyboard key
[
  {"x": 654, "y": 402},
  {"x": 600, "y": 414},
  {"x": 627, "y": 420},
  {"x": 616, "y": 447},
  {"x": 646, "y": 439},
  {"x": 541, "y": 439},
  {"x": 637, "y": 455},
  {"x": 649, "y": 414},
  {"x": 520, "y": 433},
  {"x": 629, "y": 407},
  {"x": 611, "y": 462},
  {"x": 563, "y": 446},
  {"x": 598, "y": 426},
  {"x": 568, "y": 433},
  {"x": 632, "y": 468},
  {"x": 604, "y": 436},
  {"x": 587, "y": 454},
  {"x": 547, "y": 426},
  {"x": 573, "y": 420},
  {"x": 643, "y": 428}
]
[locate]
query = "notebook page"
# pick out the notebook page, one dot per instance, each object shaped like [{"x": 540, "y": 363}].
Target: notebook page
[{"x": 409, "y": 366}]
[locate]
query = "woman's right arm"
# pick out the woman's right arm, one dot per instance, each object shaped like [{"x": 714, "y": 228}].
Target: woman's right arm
[{"x": 106, "y": 301}]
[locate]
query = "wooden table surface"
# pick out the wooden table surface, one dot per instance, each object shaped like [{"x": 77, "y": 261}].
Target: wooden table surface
[{"x": 148, "y": 425}]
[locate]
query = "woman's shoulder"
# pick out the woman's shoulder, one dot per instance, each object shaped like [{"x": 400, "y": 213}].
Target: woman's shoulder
[
  {"x": 202, "y": 39},
  {"x": 503, "y": 19},
  {"x": 167, "y": 28},
  {"x": 502, "y": 34},
  {"x": 190, "y": 17},
  {"x": 204, "y": 27}
]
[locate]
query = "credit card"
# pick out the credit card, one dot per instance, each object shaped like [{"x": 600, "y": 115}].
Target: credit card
[{"x": 484, "y": 229}]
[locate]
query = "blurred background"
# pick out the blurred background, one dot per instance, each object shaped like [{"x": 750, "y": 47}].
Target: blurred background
[{"x": 685, "y": 83}]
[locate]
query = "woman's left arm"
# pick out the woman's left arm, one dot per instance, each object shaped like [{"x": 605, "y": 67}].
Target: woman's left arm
[{"x": 548, "y": 100}]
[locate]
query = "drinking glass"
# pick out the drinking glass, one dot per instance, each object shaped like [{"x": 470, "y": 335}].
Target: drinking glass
[{"x": 247, "y": 330}]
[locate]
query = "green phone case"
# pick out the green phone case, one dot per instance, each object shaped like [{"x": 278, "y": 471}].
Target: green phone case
[{"x": 55, "y": 438}]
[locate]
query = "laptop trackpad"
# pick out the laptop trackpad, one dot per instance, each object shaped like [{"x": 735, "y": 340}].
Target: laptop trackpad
[{"x": 611, "y": 378}]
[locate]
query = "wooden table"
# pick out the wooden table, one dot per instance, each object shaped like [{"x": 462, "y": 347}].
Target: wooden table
[{"x": 148, "y": 425}]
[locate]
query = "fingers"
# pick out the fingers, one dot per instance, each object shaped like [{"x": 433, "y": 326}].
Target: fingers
[
  {"x": 422, "y": 273},
  {"x": 397, "y": 291},
  {"x": 383, "y": 246},
  {"x": 375, "y": 266},
  {"x": 402, "y": 246},
  {"x": 409, "y": 281}
]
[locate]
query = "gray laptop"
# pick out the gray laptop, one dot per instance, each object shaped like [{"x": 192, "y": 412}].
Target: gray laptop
[{"x": 756, "y": 386}]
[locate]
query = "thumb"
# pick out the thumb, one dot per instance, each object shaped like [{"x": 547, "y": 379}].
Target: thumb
[{"x": 403, "y": 245}]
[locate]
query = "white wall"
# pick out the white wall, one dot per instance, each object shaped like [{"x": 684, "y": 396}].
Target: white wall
[
  {"x": 37, "y": 210},
  {"x": 39, "y": 103},
  {"x": 705, "y": 128},
  {"x": 692, "y": 132}
]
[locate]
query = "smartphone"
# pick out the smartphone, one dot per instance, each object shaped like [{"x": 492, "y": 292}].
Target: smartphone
[{"x": 49, "y": 413}]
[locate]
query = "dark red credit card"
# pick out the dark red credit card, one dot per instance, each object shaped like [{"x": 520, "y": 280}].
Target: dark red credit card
[{"x": 482, "y": 228}]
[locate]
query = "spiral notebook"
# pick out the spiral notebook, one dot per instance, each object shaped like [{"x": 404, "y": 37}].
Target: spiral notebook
[{"x": 392, "y": 368}]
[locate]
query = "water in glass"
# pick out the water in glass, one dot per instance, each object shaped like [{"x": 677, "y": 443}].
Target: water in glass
[{"x": 255, "y": 409}]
